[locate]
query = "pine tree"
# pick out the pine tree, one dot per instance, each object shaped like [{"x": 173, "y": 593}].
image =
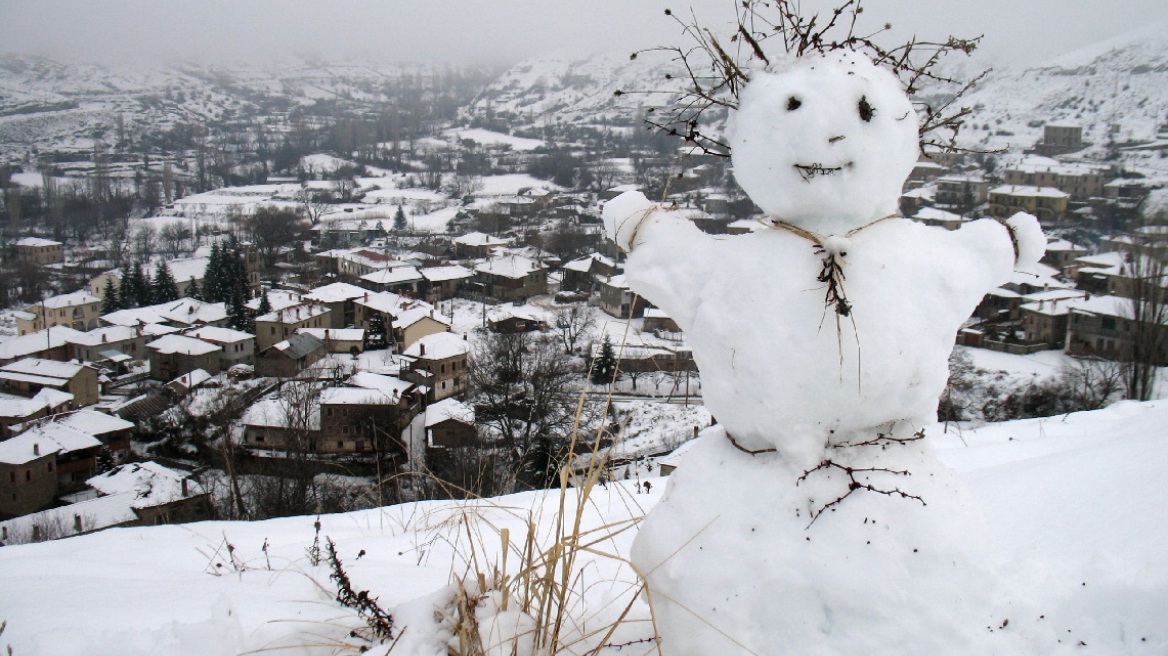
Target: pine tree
[
  {"x": 109, "y": 297},
  {"x": 163, "y": 288},
  {"x": 377, "y": 337},
  {"x": 193, "y": 290},
  {"x": 399, "y": 219},
  {"x": 604, "y": 366},
  {"x": 213, "y": 276},
  {"x": 140, "y": 286},
  {"x": 265, "y": 304},
  {"x": 126, "y": 288},
  {"x": 239, "y": 316}
]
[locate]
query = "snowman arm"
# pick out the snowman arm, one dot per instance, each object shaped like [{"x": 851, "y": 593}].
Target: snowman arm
[
  {"x": 1028, "y": 242},
  {"x": 999, "y": 248},
  {"x": 669, "y": 257}
]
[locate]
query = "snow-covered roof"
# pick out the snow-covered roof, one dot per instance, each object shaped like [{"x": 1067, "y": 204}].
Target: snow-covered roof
[
  {"x": 220, "y": 335},
  {"x": 95, "y": 514},
  {"x": 295, "y": 313},
  {"x": 298, "y": 345},
  {"x": 438, "y": 346},
  {"x": 449, "y": 408},
  {"x": 338, "y": 334},
  {"x": 448, "y": 272},
  {"x": 277, "y": 413},
  {"x": 151, "y": 484},
  {"x": 37, "y": 241},
  {"x": 184, "y": 311},
  {"x": 19, "y": 407},
  {"x": 529, "y": 313},
  {"x": 41, "y": 340},
  {"x": 391, "y": 304},
  {"x": 43, "y": 440},
  {"x": 387, "y": 384},
  {"x": 92, "y": 422},
  {"x": 278, "y": 299},
  {"x": 357, "y": 396},
  {"x": 934, "y": 214},
  {"x": 480, "y": 239},
  {"x": 510, "y": 266},
  {"x": 337, "y": 292},
  {"x": 1026, "y": 190},
  {"x": 413, "y": 315},
  {"x": 393, "y": 276},
  {"x": 181, "y": 344},
  {"x": 1064, "y": 245},
  {"x": 70, "y": 300},
  {"x": 1108, "y": 306},
  {"x": 50, "y": 369}
]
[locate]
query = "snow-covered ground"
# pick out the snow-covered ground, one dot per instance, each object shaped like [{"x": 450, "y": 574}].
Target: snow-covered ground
[{"x": 1075, "y": 505}]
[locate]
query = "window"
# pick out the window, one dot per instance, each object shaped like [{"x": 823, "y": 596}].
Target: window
[
  {"x": 27, "y": 475},
  {"x": 344, "y": 430},
  {"x": 50, "y": 465},
  {"x": 340, "y": 444}
]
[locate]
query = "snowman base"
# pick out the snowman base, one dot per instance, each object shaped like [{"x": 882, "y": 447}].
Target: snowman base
[{"x": 876, "y": 551}]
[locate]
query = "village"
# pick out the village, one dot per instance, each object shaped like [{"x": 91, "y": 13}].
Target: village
[{"x": 346, "y": 321}]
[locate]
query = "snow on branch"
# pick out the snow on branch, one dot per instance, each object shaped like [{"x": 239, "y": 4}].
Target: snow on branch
[{"x": 714, "y": 68}]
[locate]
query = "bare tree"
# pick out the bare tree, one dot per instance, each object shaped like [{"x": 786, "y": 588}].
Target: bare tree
[
  {"x": 313, "y": 203},
  {"x": 526, "y": 396},
  {"x": 174, "y": 237},
  {"x": 461, "y": 185},
  {"x": 271, "y": 229},
  {"x": 144, "y": 243},
  {"x": 573, "y": 321},
  {"x": 1147, "y": 344}
]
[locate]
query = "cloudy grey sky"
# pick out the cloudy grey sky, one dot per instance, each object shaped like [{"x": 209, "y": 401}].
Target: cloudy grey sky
[{"x": 501, "y": 31}]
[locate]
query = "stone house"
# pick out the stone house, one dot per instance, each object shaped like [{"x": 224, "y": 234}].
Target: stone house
[
  {"x": 1045, "y": 316},
  {"x": 236, "y": 346},
  {"x": 961, "y": 192},
  {"x": 399, "y": 280},
  {"x": 29, "y": 376},
  {"x": 338, "y": 297},
  {"x": 1102, "y": 326},
  {"x": 438, "y": 362},
  {"x": 174, "y": 355},
  {"x": 36, "y": 465},
  {"x": 279, "y": 325},
  {"x": 339, "y": 340},
  {"x": 444, "y": 282},
  {"x": 511, "y": 278},
  {"x": 288, "y": 357},
  {"x": 1046, "y": 203},
  {"x": 617, "y": 299},
  {"x": 39, "y": 252},
  {"x": 79, "y": 311},
  {"x": 476, "y": 245}
]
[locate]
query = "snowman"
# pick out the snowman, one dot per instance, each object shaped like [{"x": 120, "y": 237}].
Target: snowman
[{"x": 814, "y": 518}]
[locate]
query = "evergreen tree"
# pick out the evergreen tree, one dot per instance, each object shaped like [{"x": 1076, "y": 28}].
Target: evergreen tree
[
  {"x": 213, "y": 276},
  {"x": 140, "y": 286},
  {"x": 126, "y": 288},
  {"x": 377, "y": 337},
  {"x": 265, "y": 304},
  {"x": 109, "y": 297},
  {"x": 604, "y": 366},
  {"x": 239, "y": 316},
  {"x": 163, "y": 288},
  {"x": 399, "y": 219},
  {"x": 193, "y": 290}
]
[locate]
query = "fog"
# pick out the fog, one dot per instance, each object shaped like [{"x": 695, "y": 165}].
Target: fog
[{"x": 502, "y": 31}]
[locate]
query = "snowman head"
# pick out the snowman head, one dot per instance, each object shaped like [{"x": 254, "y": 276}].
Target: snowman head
[{"x": 825, "y": 144}]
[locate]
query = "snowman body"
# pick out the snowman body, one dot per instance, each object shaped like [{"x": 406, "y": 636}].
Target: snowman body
[{"x": 757, "y": 543}]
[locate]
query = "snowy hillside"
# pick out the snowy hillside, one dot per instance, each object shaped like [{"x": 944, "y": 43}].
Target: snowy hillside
[
  {"x": 1121, "y": 81},
  {"x": 1075, "y": 504}
]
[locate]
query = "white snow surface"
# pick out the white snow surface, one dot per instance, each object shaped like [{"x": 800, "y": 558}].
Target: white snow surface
[{"x": 1067, "y": 501}]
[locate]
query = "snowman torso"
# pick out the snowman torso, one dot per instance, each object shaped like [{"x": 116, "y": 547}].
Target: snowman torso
[{"x": 777, "y": 370}]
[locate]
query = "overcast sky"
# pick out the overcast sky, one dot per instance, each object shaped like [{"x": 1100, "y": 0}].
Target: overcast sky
[{"x": 501, "y": 31}]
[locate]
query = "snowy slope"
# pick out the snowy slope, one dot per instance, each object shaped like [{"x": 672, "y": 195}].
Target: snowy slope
[
  {"x": 1076, "y": 505},
  {"x": 1121, "y": 81}
]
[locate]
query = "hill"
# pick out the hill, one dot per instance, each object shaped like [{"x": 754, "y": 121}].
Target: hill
[{"x": 1075, "y": 504}]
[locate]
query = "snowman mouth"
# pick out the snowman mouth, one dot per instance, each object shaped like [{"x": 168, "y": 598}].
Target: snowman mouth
[{"x": 811, "y": 171}]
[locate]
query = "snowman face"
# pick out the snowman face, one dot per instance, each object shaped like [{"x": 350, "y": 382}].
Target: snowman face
[{"x": 825, "y": 145}]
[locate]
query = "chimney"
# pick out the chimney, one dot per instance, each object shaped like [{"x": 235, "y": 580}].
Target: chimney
[
  {"x": 36, "y": 449},
  {"x": 185, "y": 490},
  {"x": 421, "y": 349},
  {"x": 77, "y": 523},
  {"x": 104, "y": 338}
]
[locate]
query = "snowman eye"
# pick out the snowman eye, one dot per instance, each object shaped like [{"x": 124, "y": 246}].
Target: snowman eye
[
  {"x": 793, "y": 103},
  {"x": 867, "y": 111}
]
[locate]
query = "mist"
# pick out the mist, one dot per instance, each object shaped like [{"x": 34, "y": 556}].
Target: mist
[{"x": 502, "y": 32}]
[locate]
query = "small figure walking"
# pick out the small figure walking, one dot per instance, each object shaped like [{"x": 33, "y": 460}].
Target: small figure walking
[{"x": 648, "y": 486}]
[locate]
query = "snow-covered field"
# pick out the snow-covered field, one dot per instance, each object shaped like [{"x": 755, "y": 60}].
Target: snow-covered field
[{"x": 1075, "y": 506}]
